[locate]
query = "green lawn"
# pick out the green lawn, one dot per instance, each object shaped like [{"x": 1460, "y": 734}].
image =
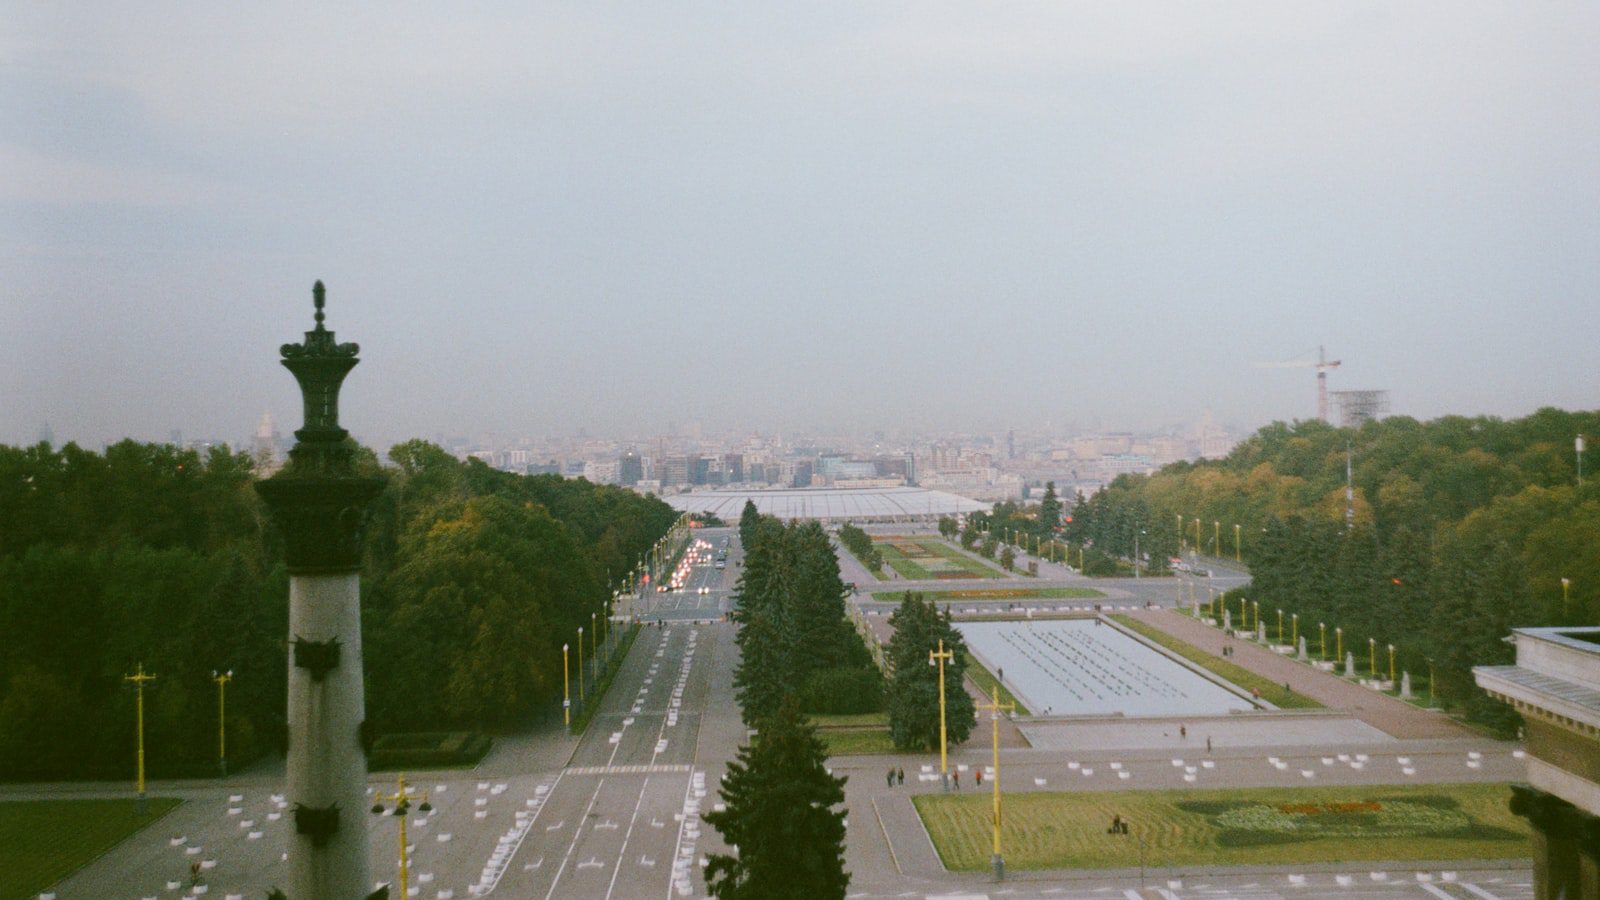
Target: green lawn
[
  {"x": 937, "y": 557},
  {"x": 855, "y": 741},
  {"x": 43, "y": 841},
  {"x": 1021, "y": 594},
  {"x": 1271, "y": 691},
  {"x": 1231, "y": 827},
  {"x": 849, "y": 720}
]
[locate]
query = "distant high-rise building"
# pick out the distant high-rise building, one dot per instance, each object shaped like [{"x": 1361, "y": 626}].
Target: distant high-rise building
[
  {"x": 733, "y": 467},
  {"x": 630, "y": 469},
  {"x": 1011, "y": 443},
  {"x": 700, "y": 469},
  {"x": 264, "y": 445},
  {"x": 674, "y": 471},
  {"x": 803, "y": 470}
]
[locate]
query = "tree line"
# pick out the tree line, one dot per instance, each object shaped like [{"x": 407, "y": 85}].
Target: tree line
[
  {"x": 152, "y": 554},
  {"x": 1453, "y": 532}
]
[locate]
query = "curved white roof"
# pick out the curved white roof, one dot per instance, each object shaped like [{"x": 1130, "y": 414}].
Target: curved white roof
[{"x": 830, "y": 504}]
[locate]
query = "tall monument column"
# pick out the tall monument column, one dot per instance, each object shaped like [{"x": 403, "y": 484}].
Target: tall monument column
[{"x": 320, "y": 504}]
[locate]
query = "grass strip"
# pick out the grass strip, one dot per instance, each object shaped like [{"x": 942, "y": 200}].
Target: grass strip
[
  {"x": 856, "y": 741},
  {"x": 1054, "y": 593},
  {"x": 1270, "y": 690},
  {"x": 1262, "y": 826},
  {"x": 587, "y": 710},
  {"x": 986, "y": 682},
  {"x": 850, "y": 720},
  {"x": 44, "y": 841}
]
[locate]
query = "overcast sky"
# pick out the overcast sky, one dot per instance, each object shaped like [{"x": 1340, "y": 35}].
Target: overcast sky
[{"x": 756, "y": 215}]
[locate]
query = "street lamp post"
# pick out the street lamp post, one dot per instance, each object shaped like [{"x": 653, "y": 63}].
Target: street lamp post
[
  {"x": 1216, "y": 538},
  {"x": 995, "y": 707},
  {"x": 1372, "y": 656},
  {"x": 1136, "y": 555},
  {"x": 1338, "y": 640},
  {"x": 1294, "y": 624},
  {"x": 222, "y": 718},
  {"x": 1392, "y": 680},
  {"x": 566, "y": 689},
  {"x": 139, "y": 679},
  {"x": 582, "y": 673},
  {"x": 1255, "y": 614},
  {"x": 594, "y": 643},
  {"x": 1179, "y": 517},
  {"x": 1280, "y": 626},
  {"x": 1430, "y": 680},
  {"x": 1322, "y": 640},
  {"x": 1237, "y": 555},
  {"x": 939, "y": 658},
  {"x": 401, "y": 799},
  {"x": 1566, "y": 583}
]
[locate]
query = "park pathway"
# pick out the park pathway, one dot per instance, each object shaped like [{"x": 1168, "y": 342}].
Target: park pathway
[{"x": 1390, "y": 715}]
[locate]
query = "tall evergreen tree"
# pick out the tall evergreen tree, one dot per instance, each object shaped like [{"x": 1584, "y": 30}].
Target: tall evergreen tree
[
  {"x": 749, "y": 518},
  {"x": 914, "y": 690},
  {"x": 780, "y": 817},
  {"x": 1049, "y": 510}
]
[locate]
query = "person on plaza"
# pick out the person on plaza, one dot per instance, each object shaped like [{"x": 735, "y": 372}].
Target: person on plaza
[
  {"x": 978, "y": 777},
  {"x": 891, "y": 776},
  {"x": 900, "y": 775},
  {"x": 1208, "y": 743},
  {"x": 1183, "y": 732},
  {"x": 955, "y": 778}
]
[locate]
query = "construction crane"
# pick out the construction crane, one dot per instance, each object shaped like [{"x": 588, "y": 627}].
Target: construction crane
[{"x": 1322, "y": 364}]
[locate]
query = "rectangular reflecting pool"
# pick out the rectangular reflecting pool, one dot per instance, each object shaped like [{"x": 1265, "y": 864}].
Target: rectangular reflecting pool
[{"x": 1081, "y": 667}]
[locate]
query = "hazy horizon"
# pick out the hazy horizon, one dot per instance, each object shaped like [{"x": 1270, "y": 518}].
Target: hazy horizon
[{"x": 928, "y": 216}]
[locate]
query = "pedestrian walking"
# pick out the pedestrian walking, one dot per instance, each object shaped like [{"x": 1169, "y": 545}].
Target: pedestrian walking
[
  {"x": 900, "y": 776},
  {"x": 891, "y": 776},
  {"x": 955, "y": 778},
  {"x": 1208, "y": 743},
  {"x": 1183, "y": 732},
  {"x": 977, "y": 777}
]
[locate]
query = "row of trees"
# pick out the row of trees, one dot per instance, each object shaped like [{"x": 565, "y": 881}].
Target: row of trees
[
  {"x": 859, "y": 542},
  {"x": 794, "y": 637},
  {"x": 163, "y": 556},
  {"x": 798, "y": 653},
  {"x": 1454, "y": 532}
]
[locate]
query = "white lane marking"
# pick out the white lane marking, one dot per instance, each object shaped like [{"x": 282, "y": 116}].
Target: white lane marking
[
  {"x": 1437, "y": 892},
  {"x": 623, "y": 851},
  {"x": 1479, "y": 891}
]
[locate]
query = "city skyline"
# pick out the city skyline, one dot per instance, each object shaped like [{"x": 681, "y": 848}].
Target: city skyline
[{"x": 539, "y": 221}]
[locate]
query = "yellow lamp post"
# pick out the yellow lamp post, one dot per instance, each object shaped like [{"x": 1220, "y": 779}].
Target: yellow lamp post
[
  {"x": 1197, "y": 547},
  {"x": 1566, "y": 583},
  {"x": 1216, "y": 538},
  {"x": 401, "y": 799},
  {"x": 1237, "y": 556},
  {"x": 995, "y": 707},
  {"x": 1244, "y": 618},
  {"x": 594, "y": 640},
  {"x": 582, "y": 675},
  {"x": 1294, "y": 625},
  {"x": 1372, "y": 656},
  {"x": 1338, "y": 639},
  {"x": 1255, "y": 615},
  {"x": 222, "y": 680},
  {"x": 939, "y": 658},
  {"x": 1179, "y": 517},
  {"x": 140, "y": 679},
  {"x": 1430, "y": 681},
  {"x": 1392, "y": 680},
  {"x": 566, "y": 688},
  {"x": 1280, "y": 626},
  {"x": 1322, "y": 641}
]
